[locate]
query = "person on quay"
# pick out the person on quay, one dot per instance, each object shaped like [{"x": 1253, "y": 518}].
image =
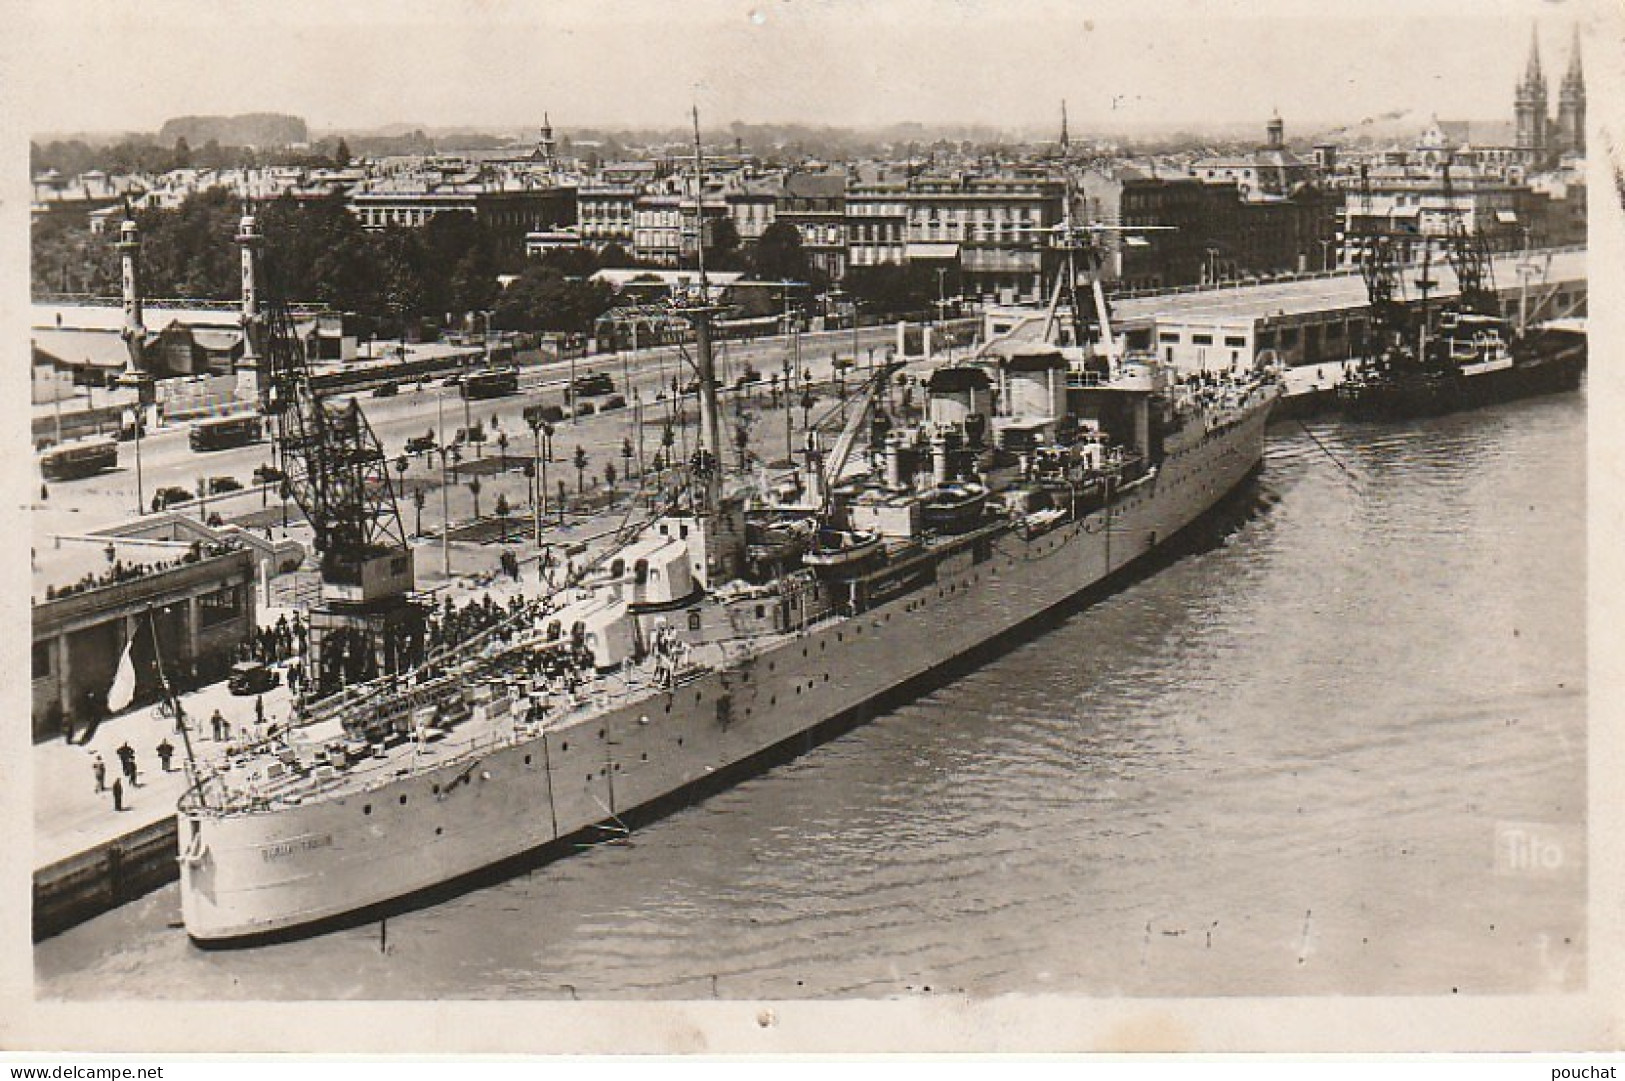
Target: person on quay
[
  {"x": 98, "y": 769},
  {"x": 166, "y": 751},
  {"x": 118, "y": 794}
]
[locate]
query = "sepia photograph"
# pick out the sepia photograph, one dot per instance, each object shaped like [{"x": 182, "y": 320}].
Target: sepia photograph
[{"x": 797, "y": 526}]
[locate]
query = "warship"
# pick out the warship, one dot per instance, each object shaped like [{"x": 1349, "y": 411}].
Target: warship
[{"x": 740, "y": 620}]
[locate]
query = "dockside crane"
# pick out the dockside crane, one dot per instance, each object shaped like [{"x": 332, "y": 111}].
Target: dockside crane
[
  {"x": 1380, "y": 273},
  {"x": 1469, "y": 256},
  {"x": 366, "y": 623}
]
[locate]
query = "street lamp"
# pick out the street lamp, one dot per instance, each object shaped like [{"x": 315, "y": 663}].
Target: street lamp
[
  {"x": 540, "y": 430},
  {"x": 789, "y": 415},
  {"x": 445, "y": 499}
]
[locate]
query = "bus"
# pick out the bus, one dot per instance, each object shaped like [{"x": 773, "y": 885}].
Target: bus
[
  {"x": 238, "y": 431},
  {"x": 491, "y": 383},
  {"x": 80, "y": 458}
]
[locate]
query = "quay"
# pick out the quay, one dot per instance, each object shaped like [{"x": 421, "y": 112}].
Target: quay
[
  {"x": 90, "y": 858},
  {"x": 1312, "y": 324}
]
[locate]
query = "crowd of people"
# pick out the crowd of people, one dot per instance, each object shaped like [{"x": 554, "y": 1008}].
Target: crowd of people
[
  {"x": 119, "y": 571},
  {"x": 452, "y": 623},
  {"x": 282, "y": 641}
]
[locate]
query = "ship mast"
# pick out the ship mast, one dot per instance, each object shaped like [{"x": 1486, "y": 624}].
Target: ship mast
[
  {"x": 1424, "y": 286},
  {"x": 698, "y": 310}
]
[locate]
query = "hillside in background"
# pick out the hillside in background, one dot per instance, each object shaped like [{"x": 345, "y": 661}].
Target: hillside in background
[{"x": 250, "y": 129}]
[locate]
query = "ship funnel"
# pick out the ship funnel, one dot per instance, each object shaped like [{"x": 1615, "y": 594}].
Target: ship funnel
[
  {"x": 940, "y": 471},
  {"x": 894, "y": 463}
]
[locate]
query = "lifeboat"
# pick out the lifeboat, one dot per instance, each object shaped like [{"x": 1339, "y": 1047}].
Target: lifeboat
[
  {"x": 843, "y": 550},
  {"x": 778, "y": 541},
  {"x": 954, "y": 508}
]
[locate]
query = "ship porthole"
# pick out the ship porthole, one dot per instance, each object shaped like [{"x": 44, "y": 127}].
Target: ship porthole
[
  {"x": 565, "y": 746},
  {"x": 367, "y": 810},
  {"x": 403, "y": 801},
  {"x": 438, "y": 830},
  {"x": 527, "y": 760},
  {"x": 644, "y": 757}
]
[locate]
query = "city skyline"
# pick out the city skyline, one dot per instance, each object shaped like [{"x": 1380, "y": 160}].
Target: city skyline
[{"x": 502, "y": 66}]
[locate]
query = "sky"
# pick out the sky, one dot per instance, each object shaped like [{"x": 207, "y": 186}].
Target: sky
[{"x": 88, "y": 65}]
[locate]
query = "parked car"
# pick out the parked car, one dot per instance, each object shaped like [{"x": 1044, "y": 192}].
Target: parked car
[
  {"x": 221, "y": 485},
  {"x": 748, "y": 376},
  {"x": 593, "y": 383},
  {"x": 267, "y": 474},
  {"x": 251, "y": 677},
  {"x": 585, "y": 409},
  {"x": 420, "y": 444},
  {"x": 168, "y": 496},
  {"x": 452, "y": 380},
  {"x": 614, "y": 401},
  {"x": 386, "y": 390}
]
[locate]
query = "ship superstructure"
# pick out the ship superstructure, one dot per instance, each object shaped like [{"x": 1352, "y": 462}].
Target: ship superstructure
[{"x": 739, "y": 619}]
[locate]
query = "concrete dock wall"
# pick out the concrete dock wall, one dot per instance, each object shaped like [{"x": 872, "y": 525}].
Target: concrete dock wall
[{"x": 100, "y": 879}]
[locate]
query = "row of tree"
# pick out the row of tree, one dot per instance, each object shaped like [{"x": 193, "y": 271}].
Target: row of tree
[
  {"x": 316, "y": 251},
  {"x": 72, "y": 157}
]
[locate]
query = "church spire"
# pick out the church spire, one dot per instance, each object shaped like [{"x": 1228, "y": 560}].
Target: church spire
[
  {"x": 1065, "y": 142},
  {"x": 1531, "y": 71},
  {"x": 1576, "y": 76}
]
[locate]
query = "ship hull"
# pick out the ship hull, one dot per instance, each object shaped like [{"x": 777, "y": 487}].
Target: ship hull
[
  {"x": 251, "y": 875},
  {"x": 1553, "y": 363}
]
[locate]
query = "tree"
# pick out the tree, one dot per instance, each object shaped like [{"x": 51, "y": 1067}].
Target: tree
[
  {"x": 474, "y": 486},
  {"x": 184, "y": 251},
  {"x": 183, "y": 153},
  {"x": 890, "y": 289},
  {"x": 542, "y": 299},
  {"x": 779, "y": 255},
  {"x": 572, "y": 262},
  {"x": 610, "y": 476},
  {"x": 617, "y": 257},
  {"x": 580, "y": 462},
  {"x": 722, "y": 251},
  {"x": 502, "y": 510},
  {"x": 626, "y": 457},
  {"x": 502, "y": 449},
  {"x": 341, "y": 154},
  {"x": 419, "y": 497}
]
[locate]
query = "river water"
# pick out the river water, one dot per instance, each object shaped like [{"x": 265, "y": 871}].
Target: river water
[{"x": 1338, "y": 745}]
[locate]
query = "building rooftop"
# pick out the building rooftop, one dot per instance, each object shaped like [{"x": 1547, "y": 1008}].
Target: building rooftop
[{"x": 1310, "y": 295}]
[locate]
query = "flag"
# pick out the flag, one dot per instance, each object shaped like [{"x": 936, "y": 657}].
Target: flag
[{"x": 122, "y": 692}]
